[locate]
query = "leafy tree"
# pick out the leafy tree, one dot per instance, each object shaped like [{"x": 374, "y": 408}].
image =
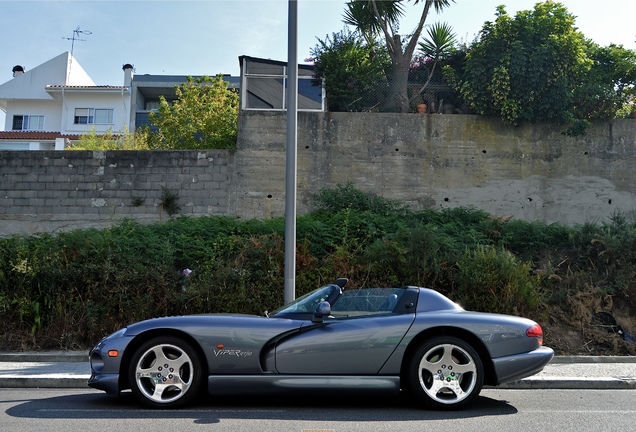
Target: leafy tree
[
  {"x": 376, "y": 17},
  {"x": 354, "y": 71},
  {"x": 525, "y": 69},
  {"x": 204, "y": 116},
  {"x": 610, "y": 88},
  {"x": 124, "y": 140}
]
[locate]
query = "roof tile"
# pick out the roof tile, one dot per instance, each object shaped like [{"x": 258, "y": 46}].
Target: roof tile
[{"x": 35, "y": 135}]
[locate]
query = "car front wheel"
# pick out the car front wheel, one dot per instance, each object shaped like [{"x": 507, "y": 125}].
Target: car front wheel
[
  {"x": 165, "y": 372},
  {"x": 445, "y": 373}
]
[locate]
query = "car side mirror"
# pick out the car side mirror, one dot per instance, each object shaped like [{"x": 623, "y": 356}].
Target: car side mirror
[{"x": 323, "y": 310}]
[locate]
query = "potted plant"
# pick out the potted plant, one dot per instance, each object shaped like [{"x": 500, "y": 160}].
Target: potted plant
[{"x": 422, "y": 106}]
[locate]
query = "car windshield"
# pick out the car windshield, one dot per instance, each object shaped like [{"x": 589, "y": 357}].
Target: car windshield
[{"x": 309, "y": 302}]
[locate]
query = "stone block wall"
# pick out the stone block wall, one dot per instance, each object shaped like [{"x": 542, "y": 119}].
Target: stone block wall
[{"x": 57, "y": 190}]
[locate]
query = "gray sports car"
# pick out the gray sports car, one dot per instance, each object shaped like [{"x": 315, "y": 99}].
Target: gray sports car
[{"x": 381, "y": 340}]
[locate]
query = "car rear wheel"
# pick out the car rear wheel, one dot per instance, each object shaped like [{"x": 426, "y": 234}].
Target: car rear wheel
[
  {"x": 445, "y": 373},
  {"x": 165, "y": 372}
]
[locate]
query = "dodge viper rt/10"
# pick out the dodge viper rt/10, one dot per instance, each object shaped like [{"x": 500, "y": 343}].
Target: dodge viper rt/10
[{"x": 376, "y": 340}]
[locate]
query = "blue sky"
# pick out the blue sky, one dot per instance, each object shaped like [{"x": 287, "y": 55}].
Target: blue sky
[{"x": 207, "y": 36}]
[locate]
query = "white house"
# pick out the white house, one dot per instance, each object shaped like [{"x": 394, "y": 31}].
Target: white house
[{"x": 57, "y": 102}]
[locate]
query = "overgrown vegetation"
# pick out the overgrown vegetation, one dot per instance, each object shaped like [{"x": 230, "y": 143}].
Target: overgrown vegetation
[
  {"x": 66, "y": 291},
  {"x": 381, "y": 20},
  {"x": 203, "y": 116},
  {"x": 355, "y": 72},
  {"x": 537, "y": 67},
  {"x": 531, "y": 68},
  {"x": 123, "y": 140}
]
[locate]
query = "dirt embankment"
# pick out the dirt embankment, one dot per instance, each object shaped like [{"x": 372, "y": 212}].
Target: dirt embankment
[{"x": 591, "y": 323}]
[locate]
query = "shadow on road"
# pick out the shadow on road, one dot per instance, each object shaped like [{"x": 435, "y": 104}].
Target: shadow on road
[{"x": 214, "y": 410}]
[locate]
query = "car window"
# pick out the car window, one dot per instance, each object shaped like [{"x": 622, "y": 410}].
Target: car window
[{"x": 367, "y": 301}]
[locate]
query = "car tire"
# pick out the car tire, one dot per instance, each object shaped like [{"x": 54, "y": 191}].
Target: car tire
[
  {"x": 165, "y": 372},
  {"x": 445, "y": 373}
]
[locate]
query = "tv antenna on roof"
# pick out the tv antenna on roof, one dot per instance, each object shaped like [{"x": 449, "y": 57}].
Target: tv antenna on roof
[{"x": 75, "y": 37}]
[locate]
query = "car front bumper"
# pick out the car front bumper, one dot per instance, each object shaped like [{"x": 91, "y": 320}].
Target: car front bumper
[{"x": 105, "y": 365}]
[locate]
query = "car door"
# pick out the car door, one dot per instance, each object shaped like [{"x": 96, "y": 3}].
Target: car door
[{"x": 365, "y": 328}]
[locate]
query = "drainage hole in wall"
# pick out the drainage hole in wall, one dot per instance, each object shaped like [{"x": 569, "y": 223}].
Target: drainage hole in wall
[
  {"x": 609, "y": 201},
  {"x": 446, "y": 200},
  {"x": 484, "y": 151},
  {"x": 269, "y": 196}
]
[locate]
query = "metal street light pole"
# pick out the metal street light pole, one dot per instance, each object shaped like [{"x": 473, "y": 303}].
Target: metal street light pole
[{"x": 291, "y": 162}]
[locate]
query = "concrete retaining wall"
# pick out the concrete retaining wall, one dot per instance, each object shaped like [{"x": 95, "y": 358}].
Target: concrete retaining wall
[{"x": 531, "y": 173}]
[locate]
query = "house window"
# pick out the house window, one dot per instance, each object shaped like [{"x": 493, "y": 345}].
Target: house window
[
  {"x": 265, "y": 87},
  {"x": 153, "y": 105},
  {"x": 93, "y": 116},
  {"x": 28, "y": 122}
]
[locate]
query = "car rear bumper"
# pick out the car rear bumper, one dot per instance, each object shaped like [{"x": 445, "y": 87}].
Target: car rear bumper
[{"x": 518, "y": 366}]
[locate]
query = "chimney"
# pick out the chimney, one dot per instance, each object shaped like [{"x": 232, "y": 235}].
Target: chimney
[
  {"x": 17, "y": 70},
  {"x": 128, "y": 74}
]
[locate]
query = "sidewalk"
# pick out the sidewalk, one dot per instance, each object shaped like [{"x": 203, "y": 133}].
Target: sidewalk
[
  {"x": 71, "y": 370},
  {"x": 44, "y": 370}
]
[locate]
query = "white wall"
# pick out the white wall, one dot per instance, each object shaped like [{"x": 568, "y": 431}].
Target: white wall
[
  {"x": 117, "y": 101},
  {"x": 50, "y": 109}
]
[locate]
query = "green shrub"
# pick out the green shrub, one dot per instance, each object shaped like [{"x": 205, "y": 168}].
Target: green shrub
[
  {"x": 493, "y": 280},
  {"x": 70, "y": 289}
]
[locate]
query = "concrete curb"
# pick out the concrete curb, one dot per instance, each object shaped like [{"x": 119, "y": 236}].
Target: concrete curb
[
  {"x": 593, "y": 359},
  {"x": 570, "y": 383},
  {"x": 44, "y": 381},
  {"x": 49, "y": 356},
  {"x": 66, "y": 370}
]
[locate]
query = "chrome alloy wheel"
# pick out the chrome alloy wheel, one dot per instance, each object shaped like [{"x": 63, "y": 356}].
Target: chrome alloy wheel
[
  {"x": 164, "y": 373},
  {"x": 447, "y": 374}
]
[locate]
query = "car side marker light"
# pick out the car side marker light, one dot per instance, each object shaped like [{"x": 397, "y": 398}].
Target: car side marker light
[
  {"x": 535, "y": 332},
  {"x": 113, "y": 353}
]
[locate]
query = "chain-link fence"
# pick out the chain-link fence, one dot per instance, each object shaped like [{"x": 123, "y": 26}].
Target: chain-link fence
[
  {"x": 435, "y": 93},
  {"x": 375, "y": 95}
]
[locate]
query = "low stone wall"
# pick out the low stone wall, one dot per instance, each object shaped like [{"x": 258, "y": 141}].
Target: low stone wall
[
  {"x": 428, "y": 161},
  {"x": 46, "y": 191}
]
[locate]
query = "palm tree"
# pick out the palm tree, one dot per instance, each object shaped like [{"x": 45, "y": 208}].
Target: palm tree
[
  {"x": 439, "y": 45},
  {"x": 377, "y": 17}
]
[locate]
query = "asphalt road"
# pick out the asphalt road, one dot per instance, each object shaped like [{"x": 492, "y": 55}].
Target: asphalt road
[{"x": 75, "y": 410}]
